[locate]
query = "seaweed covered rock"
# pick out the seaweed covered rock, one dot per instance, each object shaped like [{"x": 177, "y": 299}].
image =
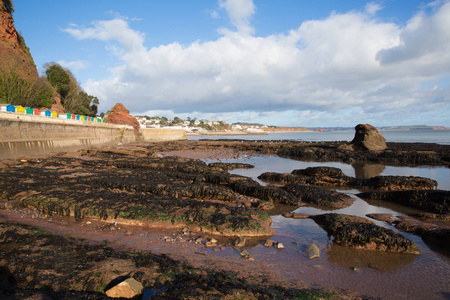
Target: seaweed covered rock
[
  {"x": 368, "y": 137},
  {"x": 269, "y": 193},
  {"x": 325, "y": 176},
  {"x": 435, "y": 201},
  {"x": 134, "y": 190},
  {"x": 396, "y": 183},
  {"x": 329, "y": 176},
  {"x": 230, "y": 166},
  {"x": 318, "y": 196},
  {"x": 361, "y": 233},
  {"x": 282, "y": 178}
]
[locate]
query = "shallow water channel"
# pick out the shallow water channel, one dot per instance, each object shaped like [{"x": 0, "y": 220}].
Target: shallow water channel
[{"x": 371, "y": 273}]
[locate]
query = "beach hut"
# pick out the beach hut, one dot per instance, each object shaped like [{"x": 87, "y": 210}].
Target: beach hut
[
  {"x": 69, "y": 116},
  {"x": 74, "y": 117},
  {"x": 54, "y": 114},
  {"x": 48, "y": 113},
  {"x": 29, "y": 111},
  {"x": 94, "y": 119},
  {"x": 10, "y": 108},
  {"x": 78, "y": 117},
  {"x": 99, "y": 120},
  {"x": 20, "y": 109},
  {"x": 103, "y": 120},
  {"x": 37, "y": 112},
  {"x": 85, "y": 118}
]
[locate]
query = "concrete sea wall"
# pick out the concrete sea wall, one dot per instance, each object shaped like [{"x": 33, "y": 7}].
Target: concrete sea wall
[
  {"x": 162, "y": 134},
  {"x": 25, "y": 135}
]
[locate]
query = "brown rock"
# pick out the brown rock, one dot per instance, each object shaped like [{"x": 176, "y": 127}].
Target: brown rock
[
  {"x": 312, "y": 251},
  {"x": 368, "y": 137},
  {"x": 240, "y": 242},
  {"x": 120, "y": 115},
  {"x": 128, "y": 288},
  {"x": 268, "y": 243}
]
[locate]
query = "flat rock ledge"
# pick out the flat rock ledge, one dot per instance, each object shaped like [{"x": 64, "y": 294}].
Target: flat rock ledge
[{"x": 361, "y": 233}]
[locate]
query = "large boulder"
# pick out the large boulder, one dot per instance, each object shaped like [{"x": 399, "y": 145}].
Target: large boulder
[
  {"x": 120, "y": 115},
  {"x": 368, "y": 137}
]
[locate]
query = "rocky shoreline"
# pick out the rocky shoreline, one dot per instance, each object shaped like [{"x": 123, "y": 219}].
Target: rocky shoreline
[{"x": 148, "y": 186}]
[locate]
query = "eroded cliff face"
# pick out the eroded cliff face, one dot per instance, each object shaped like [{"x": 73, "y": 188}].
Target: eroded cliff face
[{"x": 15, "y": 55}]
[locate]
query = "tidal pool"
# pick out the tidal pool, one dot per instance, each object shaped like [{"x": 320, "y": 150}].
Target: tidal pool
[{"x": 372, "y": 273}]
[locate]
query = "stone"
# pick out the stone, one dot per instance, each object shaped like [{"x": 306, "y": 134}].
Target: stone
[
  {"x": 245, "y": 254},
  {"x": 240, "y": 242},
  {"x": 279, "y": 245},
  {"x": 268, "y": 243},
  {"x": 128, "y": 288},
  {"x": 312, "y": 251},
  {"x": 210, "y": 245},
  {"x": 368, "y": 137}
]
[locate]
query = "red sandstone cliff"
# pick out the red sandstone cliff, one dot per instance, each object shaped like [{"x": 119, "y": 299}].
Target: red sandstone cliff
[
  {"x": 14, "y": 54},
  {"x": 120, "y": 115}
]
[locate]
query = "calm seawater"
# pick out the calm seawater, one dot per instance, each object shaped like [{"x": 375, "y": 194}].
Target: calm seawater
[
  {"x": 408, "y": 136},
  {"x": 373, "y": 273}
]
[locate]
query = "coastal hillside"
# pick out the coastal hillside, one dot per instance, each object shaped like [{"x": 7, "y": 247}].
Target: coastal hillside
[
  {"x": 15, "y": 54},
  {"x": 20, "y": 83}
]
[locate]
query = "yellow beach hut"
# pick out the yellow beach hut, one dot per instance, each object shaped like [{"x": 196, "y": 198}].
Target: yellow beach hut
[{"x": 20, "y": 109}]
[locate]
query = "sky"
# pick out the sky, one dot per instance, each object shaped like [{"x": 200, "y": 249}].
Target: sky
[{"x": 322, "y": 63}]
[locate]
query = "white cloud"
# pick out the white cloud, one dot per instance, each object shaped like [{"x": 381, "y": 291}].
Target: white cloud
[
  {"x": 342, "y": 68},
  {"x": 240, "y": 13},
  {"x": 372, "y": 8},
  {"x": 75, "y": 65}
]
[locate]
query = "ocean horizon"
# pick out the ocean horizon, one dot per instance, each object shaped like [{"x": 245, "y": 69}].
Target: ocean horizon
[{"x": 404, "y": 136}]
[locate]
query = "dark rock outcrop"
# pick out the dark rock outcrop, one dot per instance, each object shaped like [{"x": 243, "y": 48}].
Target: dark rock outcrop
[
  {"x": 318, "y": 196},
  {"x": 362, "y": 233},
  {"x": 368, "y": 137},
  {"x": 434, "y": 201},
  {"x": 329, "y": 176}
]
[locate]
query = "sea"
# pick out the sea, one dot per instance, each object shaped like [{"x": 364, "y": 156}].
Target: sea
[
  {"x": 371, "y": 273},
  {"x": 406, "y": 136}
]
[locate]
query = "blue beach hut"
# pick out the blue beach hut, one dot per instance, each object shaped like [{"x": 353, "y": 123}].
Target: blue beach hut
[
  {"x": 48, "y": 113},
  {"x": 10, "y": 108}
]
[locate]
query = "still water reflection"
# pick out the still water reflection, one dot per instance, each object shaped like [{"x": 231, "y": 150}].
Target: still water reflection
[{"x": 374, "y": 273}]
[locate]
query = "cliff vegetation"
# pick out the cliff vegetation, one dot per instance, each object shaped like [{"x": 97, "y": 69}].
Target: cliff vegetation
[{"x": 20, "y": 83}]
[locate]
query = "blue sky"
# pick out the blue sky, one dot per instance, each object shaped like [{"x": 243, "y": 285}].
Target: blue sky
[{"x": 278, "y": 62}]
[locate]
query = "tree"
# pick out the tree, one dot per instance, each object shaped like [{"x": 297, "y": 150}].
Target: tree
[
  {"x": 177, "y": 120},
  {"x": 164, "y": 121},
  {"x": 73, "y": 98},
  {"x": 9, "y": 6},
  {"x": 58, "y": 78},
  {"x": 88, "y": 105}
]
